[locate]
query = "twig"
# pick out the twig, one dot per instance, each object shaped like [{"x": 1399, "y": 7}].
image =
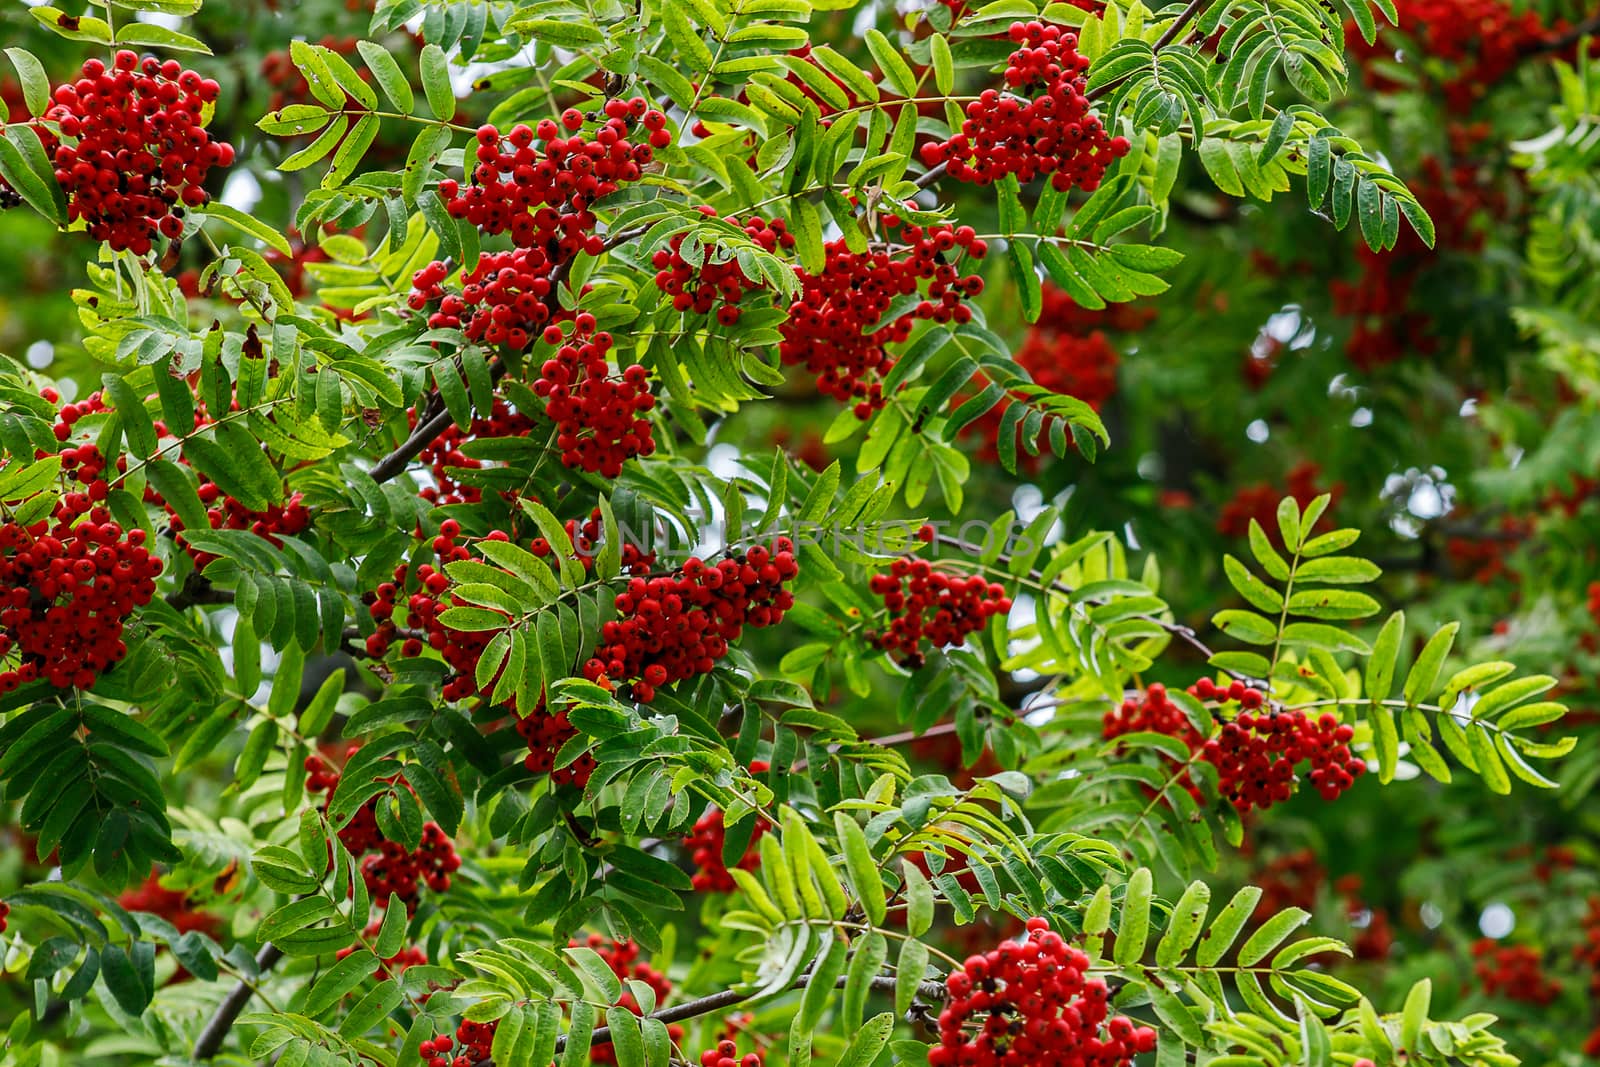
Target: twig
[
  {"x": 209, "y": 1043},
  {"x": 691, "y": 1009},
  {"x": 1188, "y": 15}
]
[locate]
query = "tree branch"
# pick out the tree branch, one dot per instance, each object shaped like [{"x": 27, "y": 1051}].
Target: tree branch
[
  {"x": 209, "y": 1043},
  {"x": 1179, "y": 24},
  {"x": 728, "y": 998}
]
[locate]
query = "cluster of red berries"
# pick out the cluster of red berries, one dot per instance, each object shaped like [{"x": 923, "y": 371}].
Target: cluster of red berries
[
  {"x": 700, "y": 289},
  {"x": 1156, "y": 713},
  {"x": 705, "y": 842},
  {"x": 503, "y": 300},
  {"x": 600, "y": 418},
  {"x": 541, "y": 195},
  {"x": 726, "y": 1054},
  {"x": 1029, "y": 1002},
  {"x": 222, "y": 511},
  {"x": 1587, "y": 952},
  {"x": 1486, "y": 559},
  {"x": 824, "y": 331},
  {"x": 5, "y": 912},
  {"x": 1515, "y": 972},
  {"x": 1260, "y": 502},
  {"x": 67, "y": 587},
  {"x": 1040, "y": 126},
  {"x": 1292, "y": 880},
  {"x": 388, "y": 866},
  {"x": 460, "y": 649},
  {"x": 545, "y": 732},
  {"x": 678, "y": 625},
  {"x": 444, "y": 452},
  {"x": 1256, "y": 754},
  {"x": 928, "y": 606},
  {"x": 476, "y": 1041},
  {"x": 140, "y": 152}
]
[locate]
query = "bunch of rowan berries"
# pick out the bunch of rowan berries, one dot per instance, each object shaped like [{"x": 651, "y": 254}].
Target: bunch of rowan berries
[
  {"x": 1040, "y": 126},
  {"x": 1154, "y": 712},
  {"x": 705, "y": 842},
  {"x": 387, "y": 866},
  {"x": 140, "y": 152},
  {"x": 726, "y": 1054},
  {"x": 444, "y": 452},
  {"x": 700, "y": 289},
  {"x": 67, "y": 586},
  {"x": 5, "y": 912},
  {"x": 541, "y": 195},
  {"x": 1256, "y": 754},
  {"x": 503, "y": 300},
  {"x": 174, "y": 905},
  {"x": 1515, "y": 972},
  {"x": 678, "y": 625},
  {"x": 546, "y": 732},
  {"x": 827, "y": 329},
  {"x": 460, "y": 649},
  {"x": 1031, "y": 1001},
  {"x": 931, "y": 606},
  {"x": 476, "y": 1041},
  {"x": 600, "y": 417}
]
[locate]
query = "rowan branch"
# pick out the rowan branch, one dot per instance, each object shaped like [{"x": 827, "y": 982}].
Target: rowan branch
[{"x": 209, "y": 1043}]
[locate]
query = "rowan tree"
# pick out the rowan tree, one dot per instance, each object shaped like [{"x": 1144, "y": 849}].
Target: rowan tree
[{"x": 739, "y": 532}]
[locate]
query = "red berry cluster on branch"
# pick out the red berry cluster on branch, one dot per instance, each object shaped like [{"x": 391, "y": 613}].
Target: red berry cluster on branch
[
  {"x": 1515, "y": 972},
  {"x": 676, "y": 626},
  {"x": 475, "y": 1041},
  {"x": 460, "y": 649},
  {"x": 67, "y": 586},
  {"x": 1031, "y": 1002},
  {"x": 546, "y": 732},
  {"x": 1256, "y": 754},
  {"x": 726, "y": 1054},
  {"x": 705, "y": 843},
  {"x": 824, "y": 332},
  {"x": 600, "y": 417},
  {"x": 387, "y": 866},
  {"x": 5, "y": 912},
  {"x": 1040, "y": 126},
  {"x": 140, "y": 153},
  {"x": 701, "y": 289},
  {"x": 935, "y": 607}
]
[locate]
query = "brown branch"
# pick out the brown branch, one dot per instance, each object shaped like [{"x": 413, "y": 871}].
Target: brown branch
[
  {"x": 209, "y": 1043},
  {"x": 1181, "y": 23},
  {"x": 728, "y": 998}
]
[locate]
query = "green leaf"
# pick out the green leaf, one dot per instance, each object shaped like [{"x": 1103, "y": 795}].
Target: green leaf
[
  {"x": 436, "y": 83},
  {"x": 1134, "y": 929},
  {"x": 896, "y": 72},
  {"x": 1270, "y": 934},
  {"x": 390, "y": 78},
  {"x": 148, "y": 33}
]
